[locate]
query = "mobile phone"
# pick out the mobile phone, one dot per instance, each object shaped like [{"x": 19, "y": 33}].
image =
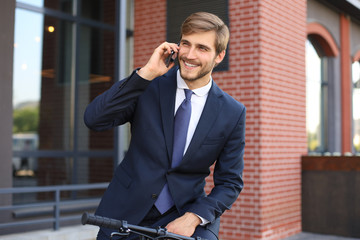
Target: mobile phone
[{"x": 169, "y": 59}]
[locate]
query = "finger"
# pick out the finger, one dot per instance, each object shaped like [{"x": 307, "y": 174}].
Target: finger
[
  {"x": 175, "y": 47},
  {"x": 169, "y": 47},
  {"x": 165, "y": 47}
]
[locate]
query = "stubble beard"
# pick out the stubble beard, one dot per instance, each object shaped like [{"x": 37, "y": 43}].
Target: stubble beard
[{"x": 203, "y": 72}]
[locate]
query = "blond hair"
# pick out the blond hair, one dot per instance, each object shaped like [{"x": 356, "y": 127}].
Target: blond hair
[{"x": 205, "y": 22}]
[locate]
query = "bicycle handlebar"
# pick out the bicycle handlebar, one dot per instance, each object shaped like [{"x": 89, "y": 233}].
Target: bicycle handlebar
[{"x": 125, "y": 228}]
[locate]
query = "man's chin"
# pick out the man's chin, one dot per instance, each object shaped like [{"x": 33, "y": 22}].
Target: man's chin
[{"x": 188, "y": 75}]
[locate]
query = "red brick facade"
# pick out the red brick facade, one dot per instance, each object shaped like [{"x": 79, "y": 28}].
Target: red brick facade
[{"x": 267, "y": 74}]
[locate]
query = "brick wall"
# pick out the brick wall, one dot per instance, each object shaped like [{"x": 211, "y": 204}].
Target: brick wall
[
  {"x": 149, "y": 28},
  {"x": 267, "y": 74},
  {"x": 282, "y": 114}
]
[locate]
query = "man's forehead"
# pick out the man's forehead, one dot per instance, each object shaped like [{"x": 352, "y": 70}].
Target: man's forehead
[{"x": 201, "y": 38}]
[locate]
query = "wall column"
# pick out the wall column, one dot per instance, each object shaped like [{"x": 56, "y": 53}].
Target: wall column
[
  {"x": 7, "y": 15},
  {"x": 346, "y": 94}
]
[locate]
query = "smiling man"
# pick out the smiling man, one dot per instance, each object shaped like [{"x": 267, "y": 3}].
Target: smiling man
[{"x": 181, "y": 124}]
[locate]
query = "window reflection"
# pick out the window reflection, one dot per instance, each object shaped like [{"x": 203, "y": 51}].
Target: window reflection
[
  {"x": 96, "y": 74},
  {"x": 61, "y": 5},
  {"x": 55, "y": 128},
  {"x": 356, "y": 101},
  {"x": 99, "y": 10},
  {"x": 28, "y": 42},
  {"x": 27, "y": 58},
  {"x": 54, "y": 81},
  {"x": 316, "y": 101},
  {"x": 37, "y": 3}
]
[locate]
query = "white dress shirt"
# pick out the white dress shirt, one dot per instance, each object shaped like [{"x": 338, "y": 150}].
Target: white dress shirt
[{"x": 198, "y": 100}]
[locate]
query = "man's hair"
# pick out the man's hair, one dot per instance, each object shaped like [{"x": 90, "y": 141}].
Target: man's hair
[{"x": 205, "y": 22}]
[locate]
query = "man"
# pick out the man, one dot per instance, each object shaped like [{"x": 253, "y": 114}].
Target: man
[{"x": 148, "y": 187}]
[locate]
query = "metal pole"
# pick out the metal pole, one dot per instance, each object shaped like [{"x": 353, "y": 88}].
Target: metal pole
[
  {"x": 57, "y": 210},
  {"x": 121, "y": 130}
]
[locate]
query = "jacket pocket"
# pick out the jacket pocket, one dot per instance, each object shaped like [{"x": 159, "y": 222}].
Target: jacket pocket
[{"x": 212, "y": 141}]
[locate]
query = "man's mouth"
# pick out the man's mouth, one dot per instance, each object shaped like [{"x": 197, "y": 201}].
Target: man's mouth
[{"x": 190, "y": 65}]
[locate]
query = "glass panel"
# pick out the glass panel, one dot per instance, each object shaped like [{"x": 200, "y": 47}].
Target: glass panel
[
  {"x": 50, "y": 171},
  {"x": 64, "y": 171},
  {"x": 356, "y": 101},
  {"x": 54, "y": 171},
  {"x": 324, "y": 105},
  {"x": 87, "y": 170},
  {"x": 313, "y": 98},
  {"x": 96, "y": 74},
  {"x": 41, "y": 90},
  {"x": 44, "y": 102},
  {"x": 99, "y": 10},
  {"x": 37, "y": 3},
  {"x": 55, "y": 123},
  {"x": 61, "y": 5}
]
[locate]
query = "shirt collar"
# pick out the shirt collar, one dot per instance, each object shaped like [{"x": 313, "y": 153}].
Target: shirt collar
[{"x": 202, "y": 91}]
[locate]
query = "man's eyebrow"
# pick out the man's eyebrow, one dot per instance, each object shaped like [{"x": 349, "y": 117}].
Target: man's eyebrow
[
  {"x": 199, "y": 45},
  {"x": 203, "y": 46}
]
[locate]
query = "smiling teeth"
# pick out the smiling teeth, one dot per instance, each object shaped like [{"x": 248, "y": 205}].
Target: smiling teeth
[{"x": 190, "y": 65}]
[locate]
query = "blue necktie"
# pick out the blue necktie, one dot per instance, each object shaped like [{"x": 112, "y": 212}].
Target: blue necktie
[{"x": 181, "y": 125}]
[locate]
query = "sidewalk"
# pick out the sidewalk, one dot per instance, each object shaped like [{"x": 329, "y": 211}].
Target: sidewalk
[
  {"x": 89, "y": 233},
  {"x": 313, "y": 236},
  {"x": 79, "y": 232}
]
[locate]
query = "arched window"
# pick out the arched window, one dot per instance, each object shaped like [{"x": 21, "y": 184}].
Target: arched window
[
  {"x": 322, "y": 91},
  {"x": 316, "y": 100},
  {"x": 356, "y": 101}
]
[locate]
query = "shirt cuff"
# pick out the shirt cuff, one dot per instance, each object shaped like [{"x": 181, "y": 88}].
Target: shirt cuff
[{"x": 203, "y": 220}]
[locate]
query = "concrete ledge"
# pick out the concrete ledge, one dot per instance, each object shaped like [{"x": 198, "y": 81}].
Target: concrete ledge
[
  {"x": 78, "y": 232},
  {"x": 313, "y": 236}
]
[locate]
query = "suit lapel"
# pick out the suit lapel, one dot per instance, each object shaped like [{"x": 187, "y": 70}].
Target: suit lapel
[
  {"x": 167, "y": 88},
  {"x": 209, "y": 115}
]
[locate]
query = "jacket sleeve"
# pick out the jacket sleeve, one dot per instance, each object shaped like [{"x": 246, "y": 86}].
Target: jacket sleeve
[
  {"x": 228, "y": 181},
  {"x": 116, "y": 105}
]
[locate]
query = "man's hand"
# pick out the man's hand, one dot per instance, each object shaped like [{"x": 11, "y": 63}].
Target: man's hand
[
  {"x": 184, "y": 225},
  {"x": 156, "y": 66}
]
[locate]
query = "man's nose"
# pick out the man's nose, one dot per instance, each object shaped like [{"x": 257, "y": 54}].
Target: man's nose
[{"x": 191, "y": 53}]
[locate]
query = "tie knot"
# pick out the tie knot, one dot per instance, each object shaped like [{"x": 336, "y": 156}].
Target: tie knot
[{"x": 188, "y": 94}]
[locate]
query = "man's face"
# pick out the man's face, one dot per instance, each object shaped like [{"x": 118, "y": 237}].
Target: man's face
[{"x": 197, "y": 57}]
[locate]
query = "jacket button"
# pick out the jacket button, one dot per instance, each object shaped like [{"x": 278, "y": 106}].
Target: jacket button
[{"x": 154, "y": 196}]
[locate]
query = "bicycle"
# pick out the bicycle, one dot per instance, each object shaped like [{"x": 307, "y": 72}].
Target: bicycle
[{"x": 124, "y": 229}]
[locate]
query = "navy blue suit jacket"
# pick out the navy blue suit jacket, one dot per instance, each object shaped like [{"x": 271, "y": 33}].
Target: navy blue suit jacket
[{"x": 149, "y": 107}]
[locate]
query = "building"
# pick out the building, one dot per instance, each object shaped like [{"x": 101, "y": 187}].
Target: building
[{"x": 294, "y": 64}]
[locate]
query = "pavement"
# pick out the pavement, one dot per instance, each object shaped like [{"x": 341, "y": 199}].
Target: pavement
[
  {"x": 89, "y": 232},
  {"x": 313, "y": 236}
]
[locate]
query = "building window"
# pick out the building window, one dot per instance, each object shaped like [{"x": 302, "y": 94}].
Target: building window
[
  {"x": 356, "y": 109},
  {"x": 316, "y": 100},
  {"x": 62, "y": 60}
]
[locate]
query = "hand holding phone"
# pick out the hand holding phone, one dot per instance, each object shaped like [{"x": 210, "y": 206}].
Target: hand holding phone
[
  {"x": 160, "y": 61},
  {"x": 170, "y": 58}
]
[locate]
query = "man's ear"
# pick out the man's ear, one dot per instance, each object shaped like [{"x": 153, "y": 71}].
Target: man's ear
[{"x": 220, "y": 57}]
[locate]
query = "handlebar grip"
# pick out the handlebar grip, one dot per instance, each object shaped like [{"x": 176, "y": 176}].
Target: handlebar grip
[
  {"x": 100, "y": 221},
  {"x": 117, "y": 224}
]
